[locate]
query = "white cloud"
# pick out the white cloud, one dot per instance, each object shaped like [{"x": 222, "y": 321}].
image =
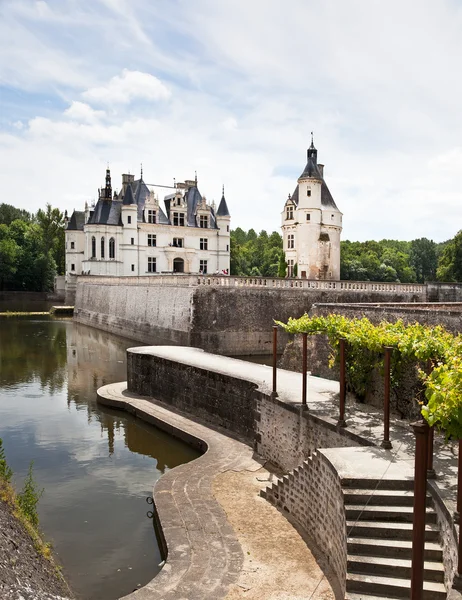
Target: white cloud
[
  {"x": 79, "y": 111},
  {"x": 131, "y": 85},
  {"x": 233, "y": 89}
]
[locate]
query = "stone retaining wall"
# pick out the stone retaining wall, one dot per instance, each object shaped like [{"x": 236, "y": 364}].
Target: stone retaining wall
[
  {"x": 224, "y": 315},
  {"x": 312, "y": 495}
]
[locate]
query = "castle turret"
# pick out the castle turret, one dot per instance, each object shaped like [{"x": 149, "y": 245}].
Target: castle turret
[
  {"x": 311, "y": 225},
  {"x": 130, "y": 236},
  {"x": 224, "y": 225}
]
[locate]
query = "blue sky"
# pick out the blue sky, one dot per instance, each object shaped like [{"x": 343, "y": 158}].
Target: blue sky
[{"x": 231, "y": 89}]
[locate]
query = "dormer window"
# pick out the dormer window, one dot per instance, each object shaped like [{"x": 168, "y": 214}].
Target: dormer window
[
  {"x": 178, "y": 219},
  {"x": 151, "y": 216},
  {"x": 203, "y": 221},
  {"x": 289, "y": 213}
]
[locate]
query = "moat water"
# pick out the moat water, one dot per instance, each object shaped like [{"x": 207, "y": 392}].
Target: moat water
[{"x": 96, "y": 466}]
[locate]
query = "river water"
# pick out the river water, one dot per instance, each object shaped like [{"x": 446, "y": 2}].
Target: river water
[{"x": 96, "y": 466}]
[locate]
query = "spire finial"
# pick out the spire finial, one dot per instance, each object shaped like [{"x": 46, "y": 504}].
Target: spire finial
[
  {"x": 223, "y": 190},
  {"x": 195, "y": 177},
  {"x": 312, "y": 141},
  {"x": 141, "y": 170}
]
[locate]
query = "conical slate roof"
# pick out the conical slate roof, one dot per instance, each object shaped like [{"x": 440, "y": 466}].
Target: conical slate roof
[
  {"x": 128, "y": 198},
  {"x": 223, "y": 208}
]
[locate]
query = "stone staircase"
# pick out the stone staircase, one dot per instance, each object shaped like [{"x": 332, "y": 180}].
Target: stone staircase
[{"x": 379, "y": 541}]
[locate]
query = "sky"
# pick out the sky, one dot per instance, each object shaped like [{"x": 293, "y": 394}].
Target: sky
[{"x": 231, "y": 89}]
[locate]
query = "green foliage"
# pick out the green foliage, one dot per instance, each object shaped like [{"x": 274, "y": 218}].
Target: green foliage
[
  {"x": 413, "y": 343},
  {"x": 29, "y": 497},
  {"x": 31, "y": 249},
  {"x": 450, "y": 262},
  {"x": 256, "y": 255},
  {"x": 5, "y": 471}
]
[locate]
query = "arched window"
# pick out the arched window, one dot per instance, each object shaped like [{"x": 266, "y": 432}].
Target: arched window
[
  {"x": 178, "y": 265},
  {"x": 102, "y": 247},
  {"x": 93, "y": 247},
  {"x": 112, "y": 248}
]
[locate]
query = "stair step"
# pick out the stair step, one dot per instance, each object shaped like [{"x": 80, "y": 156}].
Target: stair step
[
  {"x": 381, "y": 497},
  {"x": 374, "y": 484},
  {"x": 399, "y": 531},
  {"x": 353, "y": 596},
  {"x": 398, "y": 514},
  {"x": 401, "y": 549},
  {"x": 391, "y": 587},
  {"x": 393, "y": 567}
]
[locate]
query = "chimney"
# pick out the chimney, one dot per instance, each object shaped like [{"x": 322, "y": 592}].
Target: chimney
[{"x": 321, "y": 170}]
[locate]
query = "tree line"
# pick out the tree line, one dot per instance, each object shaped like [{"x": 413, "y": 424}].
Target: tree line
[
  {"x": 416, "y": 261},
  {"x": 31, "y": 248}
]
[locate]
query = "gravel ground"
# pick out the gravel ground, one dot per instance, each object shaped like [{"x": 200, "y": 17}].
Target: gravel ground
[
  {"x": 278, "y": 565},
  {"x": 24, "y": 573}
]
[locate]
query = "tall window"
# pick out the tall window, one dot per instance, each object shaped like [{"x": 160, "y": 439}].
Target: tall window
[
  {"x": 72, "y": 267},
  {"x": 72, "y": 245},
  {"x": 93, "y": 247},
  {"x": 152, "y": 240},
  {"x": 290, "y": 241},
  {"x": 203, "y": 221},
  {"x": 308, "y": 217},
  {"x": 203, "y": 243},
  {"x": 132, "y": 241},
  {"x": 151, "y": 264},
  {"x": 290, "y": 268},
  {"x": 308, "y": 192},
  {"x": 102, "y": 247},
  {"x": 178, "y": 219},
  {"x": 129, "y": 219},
  {"x": 203, "y": 266},
  {"x": 152, "y": 216},
  {"x": 112, "y": 248},
  {"x": 290, "y": 213},
  {"x": 178, "y": 242}
]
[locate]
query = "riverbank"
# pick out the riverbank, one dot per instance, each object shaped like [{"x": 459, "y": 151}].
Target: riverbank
[{"x": 25, "y": 574}]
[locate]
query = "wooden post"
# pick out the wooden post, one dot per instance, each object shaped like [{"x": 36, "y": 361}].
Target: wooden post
[
  {"x": 275, "y": 359},
  {"x": 304, "y": 366},
  {"x": 386, "y": 402},
  {"x": 420, "y": 492},
  {"x": 341, "y": 419}
]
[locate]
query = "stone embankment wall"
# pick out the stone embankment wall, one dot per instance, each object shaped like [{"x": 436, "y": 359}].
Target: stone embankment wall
[
  {"x": 224, "y": 315},
  {"x": 312, "y": 495}
]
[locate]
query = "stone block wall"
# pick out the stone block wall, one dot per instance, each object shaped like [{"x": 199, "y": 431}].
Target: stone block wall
[
  {"x": 215, "y": 398},
  {"x": 287, "y": 434},
  {"x": 312, "y": 495}
]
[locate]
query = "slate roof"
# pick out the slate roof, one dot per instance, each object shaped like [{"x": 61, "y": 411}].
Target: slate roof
[
  {"x": 312, "y": 171},
  {"x": 109, "y": 212},
  {"x": 223, "y": 208},
  {"x": 77, "y": 221}
]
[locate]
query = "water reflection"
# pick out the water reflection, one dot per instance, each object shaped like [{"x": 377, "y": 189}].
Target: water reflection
[{"x": 97, "y": 465}]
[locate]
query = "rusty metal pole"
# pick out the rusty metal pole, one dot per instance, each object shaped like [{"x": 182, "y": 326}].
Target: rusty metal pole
[
  {"x": 304, "y": 366},
  {"x": 386, "y": 402},
  {"x": 431, "y": 434},
  {"x": 420, "y": 492},
  {"x": 275, "y": 359},
  {"x": 341, "y": 419}
]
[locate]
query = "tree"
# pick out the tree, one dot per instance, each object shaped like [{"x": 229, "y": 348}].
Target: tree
[
  {"x": 450, "y": 262},
  {"x": 9, "y": 213},
  {"x": 51, "y": 221},
  {"x": 423, "y": 258}
]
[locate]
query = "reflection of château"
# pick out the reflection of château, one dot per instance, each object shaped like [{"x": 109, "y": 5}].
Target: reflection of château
[{"x": 94, "y": 359}]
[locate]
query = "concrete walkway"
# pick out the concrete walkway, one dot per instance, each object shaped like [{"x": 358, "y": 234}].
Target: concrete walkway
[
  {"x": 214, "y": 549},
  {"x": 364, "y": 422},
  {"x": 205, "y": 559}
]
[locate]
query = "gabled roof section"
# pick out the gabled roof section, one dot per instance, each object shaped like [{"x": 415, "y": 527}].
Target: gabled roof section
[
  {"x": 77, "y": 221},
  {"x": 106, "y": 213},
  {"x": 161, "y": 217},
  {"x": 223, "y": 207}
]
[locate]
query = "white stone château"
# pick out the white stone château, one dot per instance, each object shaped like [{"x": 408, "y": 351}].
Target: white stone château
[
  {"x": 130, "y": 234},
  {"x": 311, "y": 225}
]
